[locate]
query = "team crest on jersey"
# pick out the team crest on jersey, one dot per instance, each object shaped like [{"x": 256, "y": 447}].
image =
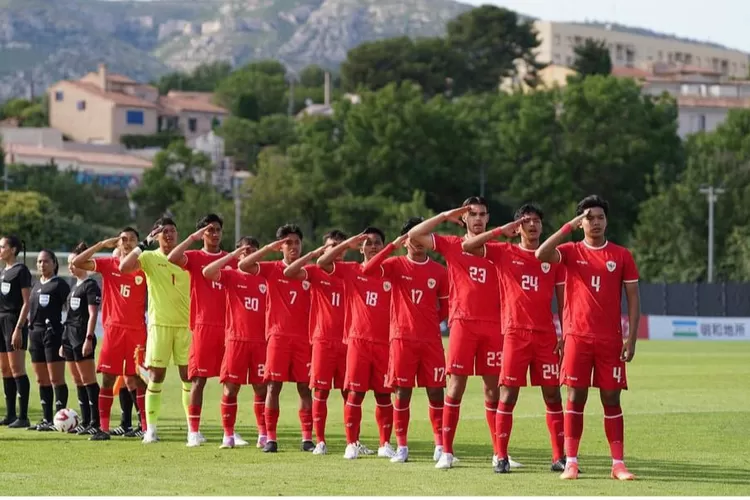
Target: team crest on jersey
[
  {"x": 138, "y": 280},
  {"x": 611, "y": 265},
  {"x": 43, "y": 299},
  {"x": 75, "y": 303},
  {"x": 5, "y": 288},
  {"x": 431, "y": 283},
  {"x": 546, "y": 267},
  {"x": 262, "y": 288},
  {"x": 305, "y": 285},
  {"x": 387, "y": 286}
]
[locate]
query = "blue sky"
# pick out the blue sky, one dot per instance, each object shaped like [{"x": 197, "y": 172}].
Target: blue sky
[{"x": 720, "y": 21}]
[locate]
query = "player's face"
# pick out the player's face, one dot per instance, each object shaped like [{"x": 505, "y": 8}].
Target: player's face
[
  {"x": 476, "y": 219},
  {"x": 292, "y": 248},
  {"x": 5, "y": 250},
  {"x": 168, "y": 237},
  {"x": 44, "y": 265},
  {"x": 128, "y": 241},
  {"x": 371, "y": 246},
  {"x": 595, "y": 223},
  {"x": 212, "y": 236},
  {"x": 415, "y": 249},
  {"x": 532, "y": 229},
  {"x": 247, "y": 251},
  {"x": 330, "y": 243}
]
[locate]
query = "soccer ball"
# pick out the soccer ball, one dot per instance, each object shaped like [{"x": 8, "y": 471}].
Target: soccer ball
[{"x": 65, "y": 420}]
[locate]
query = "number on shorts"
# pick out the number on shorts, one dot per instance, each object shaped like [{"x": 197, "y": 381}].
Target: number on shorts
[
  {"x": 550, "y": 371},
  {"x": 261, "y": 369},
  {"x": 530, "y": 282},
  {"x": 494, "y": 359},
  {"x": 336, "y": 299},
  {"x": 478, "y": 274},
  {"x": 596, "y": 282},
  {"x": 617, "y": 373},
  {"x": 416, "y": 296},
  {"x": 252, "y": 304},
  {"x": 293, "y": 294},
  {"x": 125, "y": 291},
  {"x": 371, "y": 299},
  {"x": 439, "y": 374}
]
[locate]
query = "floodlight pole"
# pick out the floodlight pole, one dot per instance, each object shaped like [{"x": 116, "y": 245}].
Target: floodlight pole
[{"x": 712, "y": 194}]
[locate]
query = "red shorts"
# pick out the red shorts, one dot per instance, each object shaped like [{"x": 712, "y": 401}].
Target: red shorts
[
  {"x": 288, "y": 360},
  {"x": 582, "y": 355},
  {"x": 206, "y": 351},
  {"x": 117, "y": 356},
  {"x": 475, "y": 348},
  {"x": 367, "y": 367},
  {"x": 527, "y": 350},
  {"x": 410, "y": 360},
  {"x": 328, "y": 365},
  {"x": 243, "y": 362}
]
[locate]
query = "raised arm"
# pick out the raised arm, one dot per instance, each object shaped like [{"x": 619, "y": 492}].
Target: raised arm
[
  {"x": 250, "y": 263},
  {"x": 547, "y": 250},
  {"x": 213, "y": 270},
  {"x": 130, "y": 263},
  {"x": 632, "y": 293},
  {"x": 421, "y": 233},
  {"x": 177, "y": 255},
  {"x": 84, "y": 260},
  {"x": 327, "y": 259},
  {"x": 295, "y": 270},
  {"x": 373, "y": 265},
  {"x": 475, "y": 244}
]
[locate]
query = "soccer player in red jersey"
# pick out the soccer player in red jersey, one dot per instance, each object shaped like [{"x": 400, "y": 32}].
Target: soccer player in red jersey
[
  {"x": 597, "y": 270},
  {"x": 207, "y": 316},
  {"x": 527, "y": 287},
  {"x": 287, "y": 314},
  {"x": 123, "y": 317},
  {"x": 476, "y": 344},
  {"x": 366, "y": 324},
  {"x": 326, "y": 332},
  {"x": 419, "y": 303},
  {"x": 245, "y": 354}
]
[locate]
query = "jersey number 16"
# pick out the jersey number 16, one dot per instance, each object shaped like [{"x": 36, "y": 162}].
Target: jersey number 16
[{"x": 125, "y": 291}]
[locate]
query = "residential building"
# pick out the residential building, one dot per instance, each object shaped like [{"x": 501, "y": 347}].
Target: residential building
[
  {"x": 548, "y": 77},
  {"x": 635, "y": 48},
  {"x": 101, "y": 107}
]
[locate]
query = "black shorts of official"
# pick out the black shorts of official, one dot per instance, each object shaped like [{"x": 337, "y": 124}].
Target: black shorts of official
[
  {"x": 75, "y": 352},
  {"x": 8, "y": 324},
  {"x": 45, "y": 347}
]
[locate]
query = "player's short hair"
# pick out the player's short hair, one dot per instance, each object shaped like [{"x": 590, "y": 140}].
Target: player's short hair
[
  {"x": 53, "y": 257},
  {"x": 410, "y": 223},
  {"x": 15, "y": 243},
  {"x": 335, "y": 235},
  {"x": 247, "y": 240},
  {"x": 288, "y": 229},
  {"x": 80, "y": 248},
  {"x": 128, "y": 229},
  {"x": 209, "y": 219},
  {"x": 476, "y": 200},
  {"x": 592, "y": 201},
  {"x": 529, "y": 209},
  {"x": 375, "y": 230},
  {"x": 164, "y": 221}
]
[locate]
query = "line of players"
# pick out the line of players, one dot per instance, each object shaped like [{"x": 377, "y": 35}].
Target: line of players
[{"x": 391, "y": 326}]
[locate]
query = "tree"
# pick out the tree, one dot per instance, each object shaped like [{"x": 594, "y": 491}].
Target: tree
[
  {"x": 312, "y": 76},
  {"x": 28, "y": 113},
  {"x": 592, "y": 58},
  {"x": 491, "y": 41},
  {"x": 241, "y": 141},
  {"x": 204, "y": 78},
  {"x": 254, "y": 91}
]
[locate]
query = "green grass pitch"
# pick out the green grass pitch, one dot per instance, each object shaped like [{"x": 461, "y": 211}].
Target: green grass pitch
[{"x": 687, "y": 419}]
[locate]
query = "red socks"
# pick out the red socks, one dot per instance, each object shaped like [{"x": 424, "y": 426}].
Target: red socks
[
  {"x": 194, "y": 418},
  {"x": 228, "y": 414},
  {"x": 503, "y": 427},
  {"x": 573, "y": 428},
  {"x": 384, "y": 417},
  {"x": 320, "y": 414},
  {"x": 614, "y": 428},
  {"x": 436, "y": 419},
  {"x": 451, "y": 411},
  {"x": 555, "y": 427},
  {"x": 401, "y": 415},
  {"x": 259, "y": 407},
  {"x": 306, "y": 423},
  {"x": 272, "y": 418},
  {"x": 106, "y": 397},
  {"x": 353, "y": 416},
  {"x": 490, "y": 413}
]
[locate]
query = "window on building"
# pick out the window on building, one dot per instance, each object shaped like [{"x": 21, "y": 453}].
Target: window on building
[
  {"x": 688, "y": 58},
  {"x": 134, "y": 117},
  {"x": 192, "y": 124},
  {"x": 724, "y": 66},
  {"x": 618, "y": 52},
  {"x": 698, "y": 61},
  {"x": 701, "y": 123},
  {"x": 661, "y": 55},
  {"x": 557, "y": 39},
  {"x": 59, "y": 96},
  {"x": 556, "y": 58},
  {"x": 568, "y": 60},
  {"x": 81, "y": 105},
  {"x": 578, "y": 40}
]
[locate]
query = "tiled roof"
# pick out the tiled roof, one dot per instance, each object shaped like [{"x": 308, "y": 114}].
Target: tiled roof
[
  {"x": 118, "y": 160},
  {"x": 626, "y": 72},
  {"x": 118, "y": 98},
  {"x": 178, "y": 104},
  {"x": 713, "y": 102}
]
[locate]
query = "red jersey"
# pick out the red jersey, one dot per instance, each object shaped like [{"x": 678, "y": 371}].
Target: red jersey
[
  {"x": 245, "y": 305},
  {"x": 124, "y": 295},
  {"x": 526, "y": 285},
  {"x": 417, "y": 289},
  {"x": 287, "y": 313},
  {"x": 593, "y": 288},
  {"x": 473, "y": 284},
  {"x": 207, "y": 300},
  {"x": 326, "y": 305},
  {"x": 368, "y": 302}
]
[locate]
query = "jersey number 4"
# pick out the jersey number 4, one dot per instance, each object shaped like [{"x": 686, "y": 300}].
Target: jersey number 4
[
  {"x": 596, "y": 282},
  {"x": 125, "y": 291}
]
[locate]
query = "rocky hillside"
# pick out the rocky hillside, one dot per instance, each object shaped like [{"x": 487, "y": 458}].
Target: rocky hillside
[{"x": 42, "y": 41}]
